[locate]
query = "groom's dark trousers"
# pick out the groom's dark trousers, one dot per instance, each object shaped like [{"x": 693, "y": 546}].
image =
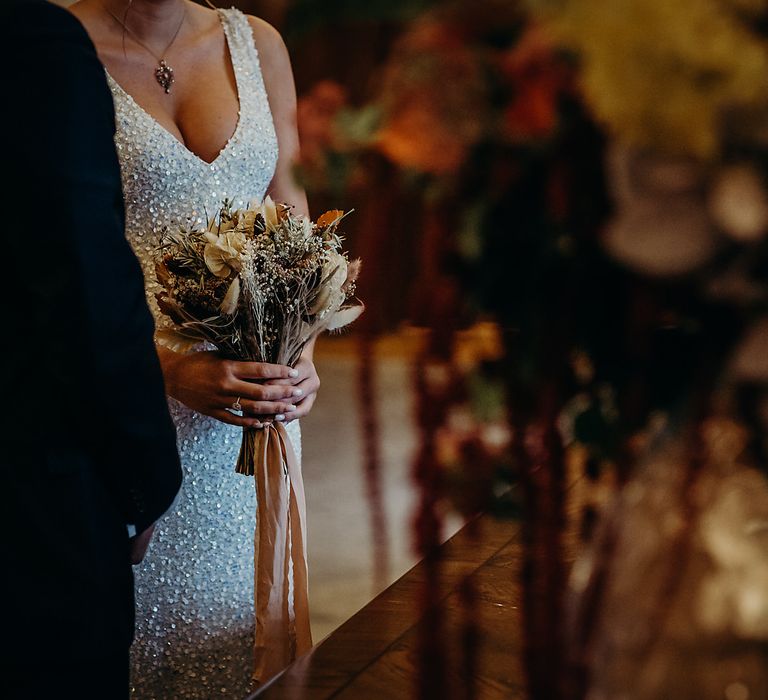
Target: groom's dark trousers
[{"x": 87, "y": 448}]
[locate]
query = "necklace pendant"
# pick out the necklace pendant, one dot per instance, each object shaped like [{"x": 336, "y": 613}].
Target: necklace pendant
[{"x": 164, "y": 76}]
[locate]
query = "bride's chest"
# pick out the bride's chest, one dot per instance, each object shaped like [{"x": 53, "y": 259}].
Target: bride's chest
[{"x": 164, "y": 181}]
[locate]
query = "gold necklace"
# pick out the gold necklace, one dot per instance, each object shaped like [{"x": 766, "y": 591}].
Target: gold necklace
[{"x": 163, "y": 72}]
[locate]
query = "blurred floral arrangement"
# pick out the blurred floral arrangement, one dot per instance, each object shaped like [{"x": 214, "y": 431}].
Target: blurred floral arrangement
[
  {"x": 457, "y": 82},
  {"x": 476, "y": 121},
  {"x": 688, "y": 95},
  {"x": 686, "y": 169},
  {"x": 469, "y": 108},
  {"x": 590, "y": 180},
  {"x": 657, "y": 613},
  {"x": 481, "y": 109}
]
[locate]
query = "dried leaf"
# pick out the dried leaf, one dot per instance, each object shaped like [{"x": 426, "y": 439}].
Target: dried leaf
[
  {"x": 162, "y": 273},
  {"x": 345, "y": 316},
  {"x": 268, "y": 210},
  {"x": 169, "y": 307},
  {"x": 176, "y": 341},
  {"x": 353, "y": 272},
  {"x": 330, "y": 217},
  {"x": 229, "y": 305}
]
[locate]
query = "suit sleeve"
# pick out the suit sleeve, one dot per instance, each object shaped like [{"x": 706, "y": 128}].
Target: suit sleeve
[{"x": 87, "y": 288}]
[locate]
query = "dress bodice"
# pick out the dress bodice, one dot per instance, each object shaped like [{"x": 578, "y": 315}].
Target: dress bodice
[{"x": 164, "y": 183}]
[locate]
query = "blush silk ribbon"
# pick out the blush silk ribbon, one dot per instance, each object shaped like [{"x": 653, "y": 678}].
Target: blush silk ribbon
[{"x": 280, "y": 571}]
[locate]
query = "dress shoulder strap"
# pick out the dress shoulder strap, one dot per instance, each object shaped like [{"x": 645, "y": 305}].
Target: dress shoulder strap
[
  {"x": 255, "y": 112},
  {"x": 242, "y": 47}
]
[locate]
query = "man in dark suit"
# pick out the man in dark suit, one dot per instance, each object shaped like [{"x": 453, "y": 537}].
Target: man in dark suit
[{"x": 87, "y": 447}]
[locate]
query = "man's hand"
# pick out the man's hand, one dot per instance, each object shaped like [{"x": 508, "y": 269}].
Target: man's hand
[{"x": 140, "y": 544}]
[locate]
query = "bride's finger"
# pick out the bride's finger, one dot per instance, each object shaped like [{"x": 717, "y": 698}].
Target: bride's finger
[
  {"x": 304, "y": 371},
  {"x": 262, "y": 370},
  {"x": 307, "y": 386},
  {"x": 302, "y": 375},
  {"x": 233, "y": 419},
  {"x": 302, "y": 409},
  {"x": 283, "y": 382},
  {"x": 261, "y": 392},
  {"x": 267, "y": 408},
  {"x": 301, "y": 399}
]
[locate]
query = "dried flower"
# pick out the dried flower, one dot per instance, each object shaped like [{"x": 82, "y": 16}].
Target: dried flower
[
  {"x": 269, "y": 213},
  {"x": 223, "y": 254}
]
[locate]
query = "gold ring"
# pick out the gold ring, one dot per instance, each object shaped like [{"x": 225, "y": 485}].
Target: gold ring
[{"x": 237, "y": 406}]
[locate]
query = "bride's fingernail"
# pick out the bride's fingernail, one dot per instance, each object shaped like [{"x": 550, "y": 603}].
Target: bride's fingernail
[
  {"x": 293, "y": 373},
  {"x": 280, "y": 417},
  {"x": 298, "y": 392}
]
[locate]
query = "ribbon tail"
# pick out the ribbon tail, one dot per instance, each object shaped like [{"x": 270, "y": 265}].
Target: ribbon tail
[
  {"x": 298, "y": 531},
  {"x": 280, "y": 569}
]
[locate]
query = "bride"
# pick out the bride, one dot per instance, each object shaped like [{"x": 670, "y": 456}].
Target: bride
[{"x": 205, "y": 110}]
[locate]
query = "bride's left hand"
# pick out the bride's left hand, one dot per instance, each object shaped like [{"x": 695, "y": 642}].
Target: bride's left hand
[{"x": 309, "y": 383}]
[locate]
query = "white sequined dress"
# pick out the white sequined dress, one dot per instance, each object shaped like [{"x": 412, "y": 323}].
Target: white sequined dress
[{"x": 194, "y": 591}]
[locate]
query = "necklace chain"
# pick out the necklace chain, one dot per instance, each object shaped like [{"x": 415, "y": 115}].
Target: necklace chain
[{"x": 163, "y": 72}]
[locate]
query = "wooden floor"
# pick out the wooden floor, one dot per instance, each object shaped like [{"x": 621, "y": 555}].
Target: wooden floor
[
  {"x": 345, "y": 569},
  {"x": 374, "y": 655}
]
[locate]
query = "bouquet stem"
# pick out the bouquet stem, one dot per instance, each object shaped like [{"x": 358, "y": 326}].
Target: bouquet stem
[{"x": 247, "y": 457}]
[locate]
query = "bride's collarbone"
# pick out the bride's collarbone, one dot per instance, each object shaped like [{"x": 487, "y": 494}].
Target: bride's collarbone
[{"x": 202, "y": 108}]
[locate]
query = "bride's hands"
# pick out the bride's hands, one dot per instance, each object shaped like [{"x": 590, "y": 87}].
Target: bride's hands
[
  {"x": 307, "y": 381},
  {"x": 208, "y": 384}
]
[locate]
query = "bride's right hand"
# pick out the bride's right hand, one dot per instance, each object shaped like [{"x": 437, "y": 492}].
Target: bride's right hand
[{"x": 208, "y": 384}]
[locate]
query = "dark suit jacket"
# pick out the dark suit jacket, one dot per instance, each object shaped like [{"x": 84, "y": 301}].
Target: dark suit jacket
[{"x": 87, "y": 446}]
